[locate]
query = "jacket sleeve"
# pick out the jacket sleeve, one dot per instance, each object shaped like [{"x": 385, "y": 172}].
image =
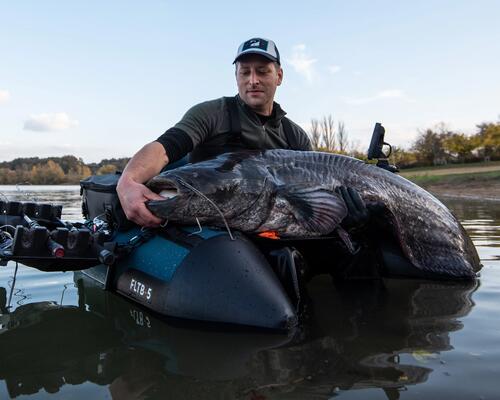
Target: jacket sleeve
[
  {"x": 301, "y": 137},
  {"x": 176, "y": 143},
  {"x": 197, "y": 124},
  {"x": 304, "y": 141}
]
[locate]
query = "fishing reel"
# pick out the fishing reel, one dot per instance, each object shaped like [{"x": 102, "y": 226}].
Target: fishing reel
[{"x": 376, "y": 151}]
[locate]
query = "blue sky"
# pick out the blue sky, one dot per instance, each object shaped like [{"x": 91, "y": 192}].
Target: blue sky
[{"x": 100, "y": 79}]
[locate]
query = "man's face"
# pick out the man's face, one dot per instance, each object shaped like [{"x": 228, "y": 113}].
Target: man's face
[{"x": 257, "y": 79}]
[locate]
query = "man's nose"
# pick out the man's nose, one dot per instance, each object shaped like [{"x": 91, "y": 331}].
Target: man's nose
[{"x": 254, "y": 78}]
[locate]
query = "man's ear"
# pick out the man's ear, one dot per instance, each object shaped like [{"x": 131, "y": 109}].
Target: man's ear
[{"x": 280, "y": 76}]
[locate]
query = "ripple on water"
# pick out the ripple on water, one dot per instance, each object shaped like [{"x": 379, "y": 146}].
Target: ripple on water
[{"x": 34, "y": 285}]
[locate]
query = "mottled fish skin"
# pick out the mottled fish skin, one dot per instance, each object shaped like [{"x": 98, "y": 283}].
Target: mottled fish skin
[{"x": 429, "y": 234}]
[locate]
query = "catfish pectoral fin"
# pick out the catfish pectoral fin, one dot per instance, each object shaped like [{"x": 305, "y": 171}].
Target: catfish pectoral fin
[{"x": 317, "y": 209}]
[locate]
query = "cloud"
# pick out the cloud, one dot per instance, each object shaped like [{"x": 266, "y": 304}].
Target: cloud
[
  {"x": 384, "y": 94},
  {"x": 4, "y": 96},
  {"x": 301, "y": 62},
  {"x": 334, "y": 69},
  {"x": 49, "y": 122},
  {"x": 391, "y": 94}
]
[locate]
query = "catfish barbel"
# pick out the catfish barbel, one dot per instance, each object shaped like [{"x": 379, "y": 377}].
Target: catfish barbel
[{"x": 294, "y": 194}]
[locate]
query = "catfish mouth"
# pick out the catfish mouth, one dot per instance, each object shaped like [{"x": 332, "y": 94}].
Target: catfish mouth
[
  {"x": 169, "y": 192},
  {"x": 169, "y": 188}
]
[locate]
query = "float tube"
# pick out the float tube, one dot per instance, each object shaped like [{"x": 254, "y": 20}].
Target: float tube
[{"x": 173, "y": 271}]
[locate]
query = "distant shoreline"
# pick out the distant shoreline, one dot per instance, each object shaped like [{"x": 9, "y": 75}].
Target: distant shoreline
[{"x": 485, "y": 191}]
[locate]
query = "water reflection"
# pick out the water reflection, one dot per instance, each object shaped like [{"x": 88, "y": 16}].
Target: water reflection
[
  {"x": 362, "y": 332},
  {"x": 378, "y": 334}
]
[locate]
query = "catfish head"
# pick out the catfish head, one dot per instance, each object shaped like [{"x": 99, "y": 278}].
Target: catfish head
[{"x": 210, "y": 190}]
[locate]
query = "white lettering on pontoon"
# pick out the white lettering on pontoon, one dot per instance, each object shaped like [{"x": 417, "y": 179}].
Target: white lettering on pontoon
[{"x": 141, "y": 289}]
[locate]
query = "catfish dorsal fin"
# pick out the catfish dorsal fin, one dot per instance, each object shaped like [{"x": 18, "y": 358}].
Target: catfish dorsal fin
[{"x": 316, "y": 208}]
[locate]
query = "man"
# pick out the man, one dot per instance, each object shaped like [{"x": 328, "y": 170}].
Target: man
[{"x": 250, "y": 120}]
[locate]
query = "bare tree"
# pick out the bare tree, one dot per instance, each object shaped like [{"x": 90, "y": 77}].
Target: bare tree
[
  {"x": 328, "y": 132},
  {"x": 342, "y": 137},
  {"x": 315, "y": 134}
]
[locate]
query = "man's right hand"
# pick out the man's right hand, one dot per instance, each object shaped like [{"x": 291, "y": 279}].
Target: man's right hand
[{"x": 133, "y": 196}]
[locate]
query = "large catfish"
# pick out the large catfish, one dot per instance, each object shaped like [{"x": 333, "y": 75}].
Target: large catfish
[{"x": 294, "y": 193}]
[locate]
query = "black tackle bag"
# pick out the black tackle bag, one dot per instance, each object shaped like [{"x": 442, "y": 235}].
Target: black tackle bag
[{"x": 99, "y": 199}]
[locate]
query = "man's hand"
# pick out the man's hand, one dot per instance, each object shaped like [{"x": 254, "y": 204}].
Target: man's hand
[
  {"x": 359, "y": 215},
  {"x": 145, "y": 164},
  {"x": 132, "y": 196}
]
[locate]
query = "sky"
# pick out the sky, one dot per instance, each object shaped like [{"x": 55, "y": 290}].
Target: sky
[{"x": 100, "y": 79}]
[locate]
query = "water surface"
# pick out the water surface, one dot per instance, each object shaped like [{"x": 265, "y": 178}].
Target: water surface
[{"x": 63, "y": 337}]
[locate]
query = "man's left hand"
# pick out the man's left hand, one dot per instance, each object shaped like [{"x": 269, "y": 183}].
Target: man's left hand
[{"x": 358, "y": 214}]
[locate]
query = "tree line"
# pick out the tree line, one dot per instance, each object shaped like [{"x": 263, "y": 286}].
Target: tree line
[
  {"x": 440, "y": 145},
  {"x": 433, "y": 146},
  {"x": 55, "y": 170}
]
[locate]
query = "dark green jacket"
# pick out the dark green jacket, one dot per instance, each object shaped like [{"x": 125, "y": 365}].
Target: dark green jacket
[{"x": 207, "y": 127}]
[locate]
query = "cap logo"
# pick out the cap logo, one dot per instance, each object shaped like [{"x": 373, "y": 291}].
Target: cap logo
[
  {"x": 255, "y": 44},
  {"x": 264, "y": 47}
]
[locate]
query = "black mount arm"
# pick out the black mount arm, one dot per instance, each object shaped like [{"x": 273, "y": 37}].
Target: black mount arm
[{"x": 375, "y": 151}]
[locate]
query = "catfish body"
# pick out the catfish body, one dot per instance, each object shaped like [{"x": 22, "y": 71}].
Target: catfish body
[{"x": 294, "y": 194}]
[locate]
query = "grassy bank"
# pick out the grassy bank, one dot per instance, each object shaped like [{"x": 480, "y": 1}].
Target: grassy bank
[
  {"x": 452, "y": 167},
  {"x": 425, "y": 180},
  {"x": 471, "y": 181},
  {"x": 457, "y": 174}
]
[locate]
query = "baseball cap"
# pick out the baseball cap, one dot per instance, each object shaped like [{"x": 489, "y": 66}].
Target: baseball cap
[{"x": 264, "y": 47}]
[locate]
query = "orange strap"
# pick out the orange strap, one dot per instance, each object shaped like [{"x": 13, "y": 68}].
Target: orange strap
[{"x": 269, "y": 235}]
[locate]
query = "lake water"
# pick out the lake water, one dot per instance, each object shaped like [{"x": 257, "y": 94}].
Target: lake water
[{"x": 391, "y": 339}]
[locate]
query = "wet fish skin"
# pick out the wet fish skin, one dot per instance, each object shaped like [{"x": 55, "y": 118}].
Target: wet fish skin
[{"x": 293, "y": 193}]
